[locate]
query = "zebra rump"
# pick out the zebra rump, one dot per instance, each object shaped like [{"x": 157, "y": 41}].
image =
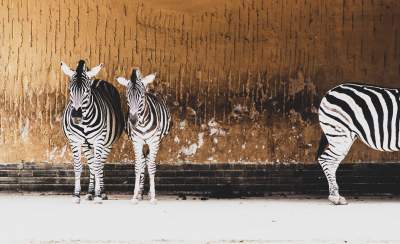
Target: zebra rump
[
  {"x": 367, "y": 112},
  {"x": 353, "y": 111}
]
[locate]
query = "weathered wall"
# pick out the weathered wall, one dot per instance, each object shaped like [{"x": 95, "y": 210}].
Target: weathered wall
[{"x": 243, "y": 78}]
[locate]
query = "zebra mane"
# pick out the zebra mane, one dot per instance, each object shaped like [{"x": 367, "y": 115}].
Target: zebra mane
[
  {"x": 80, "y": 74},
  {"x": 135, "y": 75},
  {"x": 80, "y": 68},
  {"x": 135, "y": 81}
]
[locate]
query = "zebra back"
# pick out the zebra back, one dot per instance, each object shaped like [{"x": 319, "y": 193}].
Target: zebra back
[
  {"x": 109, "y": 92},
  {"x": 162, "y": 112}
]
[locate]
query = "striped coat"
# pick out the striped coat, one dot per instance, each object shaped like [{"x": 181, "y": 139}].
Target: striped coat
[
  {"x": 148, "y": 122},
  {"x": 354, "y": 111},
  {"x": 92, "y": 122}
]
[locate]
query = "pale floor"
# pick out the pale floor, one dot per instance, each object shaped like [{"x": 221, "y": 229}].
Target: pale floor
[{"x": 55, "y": 219}]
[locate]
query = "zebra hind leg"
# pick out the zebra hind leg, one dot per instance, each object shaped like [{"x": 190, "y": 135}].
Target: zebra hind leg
[
  {"x": 329, "y": 159},
  {"x": 76, "y": 151}
]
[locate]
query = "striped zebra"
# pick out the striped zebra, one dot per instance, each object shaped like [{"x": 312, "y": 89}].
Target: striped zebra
[
  {"x": 351, "y": 111},
  {"x": 92, "y": 122},
  {"x": 148, "y": 122}
]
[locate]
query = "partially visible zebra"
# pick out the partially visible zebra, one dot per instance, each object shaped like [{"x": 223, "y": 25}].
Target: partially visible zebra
[
  {"x": 92, "y": 122},
  {"x": 351, "y": 111},
  {"x": 148, "y": 122}
]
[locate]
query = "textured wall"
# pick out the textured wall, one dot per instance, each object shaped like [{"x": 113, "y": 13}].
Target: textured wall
[{"x": 243, "y": 78}]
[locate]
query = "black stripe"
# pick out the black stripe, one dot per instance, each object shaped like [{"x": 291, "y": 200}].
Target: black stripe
[{"x": 331, "y": 135}]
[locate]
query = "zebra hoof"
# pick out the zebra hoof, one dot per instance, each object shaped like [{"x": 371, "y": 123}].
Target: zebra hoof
[
  {"x": 104, "y": 196},
  {"x": 89, "y": 197},
  {"x": 338, "y": 200},
  {"x": 98, "y": 200},
  {"x": 153, "y": 201},
  {"x": 76, "y": 199},
  {"x": 135, "y": 201},
  {"x": 342, "y": 201}
]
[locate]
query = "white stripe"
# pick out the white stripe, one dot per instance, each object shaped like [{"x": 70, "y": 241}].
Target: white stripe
[{"x": 393, "y": 138}]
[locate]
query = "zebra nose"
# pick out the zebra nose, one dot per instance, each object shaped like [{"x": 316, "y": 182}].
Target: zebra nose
[
  {"x": 76, "y": 120},
  {"x": 76, "y": 112},
  {"x": 133, "y": 118},
  {"x": 76, "y": 116}
]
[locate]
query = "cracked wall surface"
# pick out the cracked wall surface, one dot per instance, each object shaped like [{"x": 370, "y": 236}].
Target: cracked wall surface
[{"x": 243, "y": 79}]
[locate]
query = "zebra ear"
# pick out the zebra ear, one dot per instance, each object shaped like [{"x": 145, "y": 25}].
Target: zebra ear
[
  {"x": 122, "y": 81},
  {"x": 148, "y": 79},
  {"x": 66, "y": 70},
  {"x": 94, "y": 71}
]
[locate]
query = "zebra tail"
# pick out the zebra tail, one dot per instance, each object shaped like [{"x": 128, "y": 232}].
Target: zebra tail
[{"x": 323, "y": 142}]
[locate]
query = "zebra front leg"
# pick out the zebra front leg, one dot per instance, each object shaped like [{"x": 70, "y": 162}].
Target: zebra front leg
[
  {"x": 141, "y": 182},
  {"x": 139, "y": 170},
  {"x": 151, "y": 168},
  {"x": 89, "y": 154},
  {"x": 101, "y": 153},
  {"x": 76, "y": 151},
  {"x": 90, "y": 194}
]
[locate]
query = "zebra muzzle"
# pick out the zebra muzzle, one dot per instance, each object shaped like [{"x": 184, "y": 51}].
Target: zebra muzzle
[
  {"x": 133, "y": 119},
  {"x": 76, "y": 116}
]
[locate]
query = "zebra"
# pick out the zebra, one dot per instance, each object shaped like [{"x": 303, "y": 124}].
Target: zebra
[
  {"x": 92, "y": 122},
  {"x": 350, "y": 111},
  {"x": 148, "y": 122}
]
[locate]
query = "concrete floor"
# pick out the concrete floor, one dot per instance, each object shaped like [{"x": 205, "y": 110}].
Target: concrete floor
[{"x": 55, "y": 219}]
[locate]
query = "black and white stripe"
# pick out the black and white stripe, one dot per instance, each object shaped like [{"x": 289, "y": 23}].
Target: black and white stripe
[
  {"x": 148, "y": 122},
  {"x": 92, "y": 122},
  {"x": 351, "y": 111}
]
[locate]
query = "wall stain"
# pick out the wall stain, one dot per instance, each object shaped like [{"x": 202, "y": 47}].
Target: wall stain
[{"x": 243, "y": 79}]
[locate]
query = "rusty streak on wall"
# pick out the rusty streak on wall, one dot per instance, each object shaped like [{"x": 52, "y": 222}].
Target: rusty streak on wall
[{"x": 243, "y": 78}]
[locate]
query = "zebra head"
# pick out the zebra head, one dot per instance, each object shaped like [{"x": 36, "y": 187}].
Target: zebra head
[
  {"x": 135, "y": 93},
  {"x": 79, "y": 87}
]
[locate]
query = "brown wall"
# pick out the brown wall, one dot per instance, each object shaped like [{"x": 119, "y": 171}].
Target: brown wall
[{"x": 243, "y": 78}]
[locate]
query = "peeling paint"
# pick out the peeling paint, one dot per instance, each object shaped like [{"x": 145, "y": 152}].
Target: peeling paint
[
  {"x": 190, "y": 150},
  {"x": 25, "y": 131}
]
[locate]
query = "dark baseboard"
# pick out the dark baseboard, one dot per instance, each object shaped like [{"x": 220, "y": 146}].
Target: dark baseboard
[{"x": 212, "y": 180}]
